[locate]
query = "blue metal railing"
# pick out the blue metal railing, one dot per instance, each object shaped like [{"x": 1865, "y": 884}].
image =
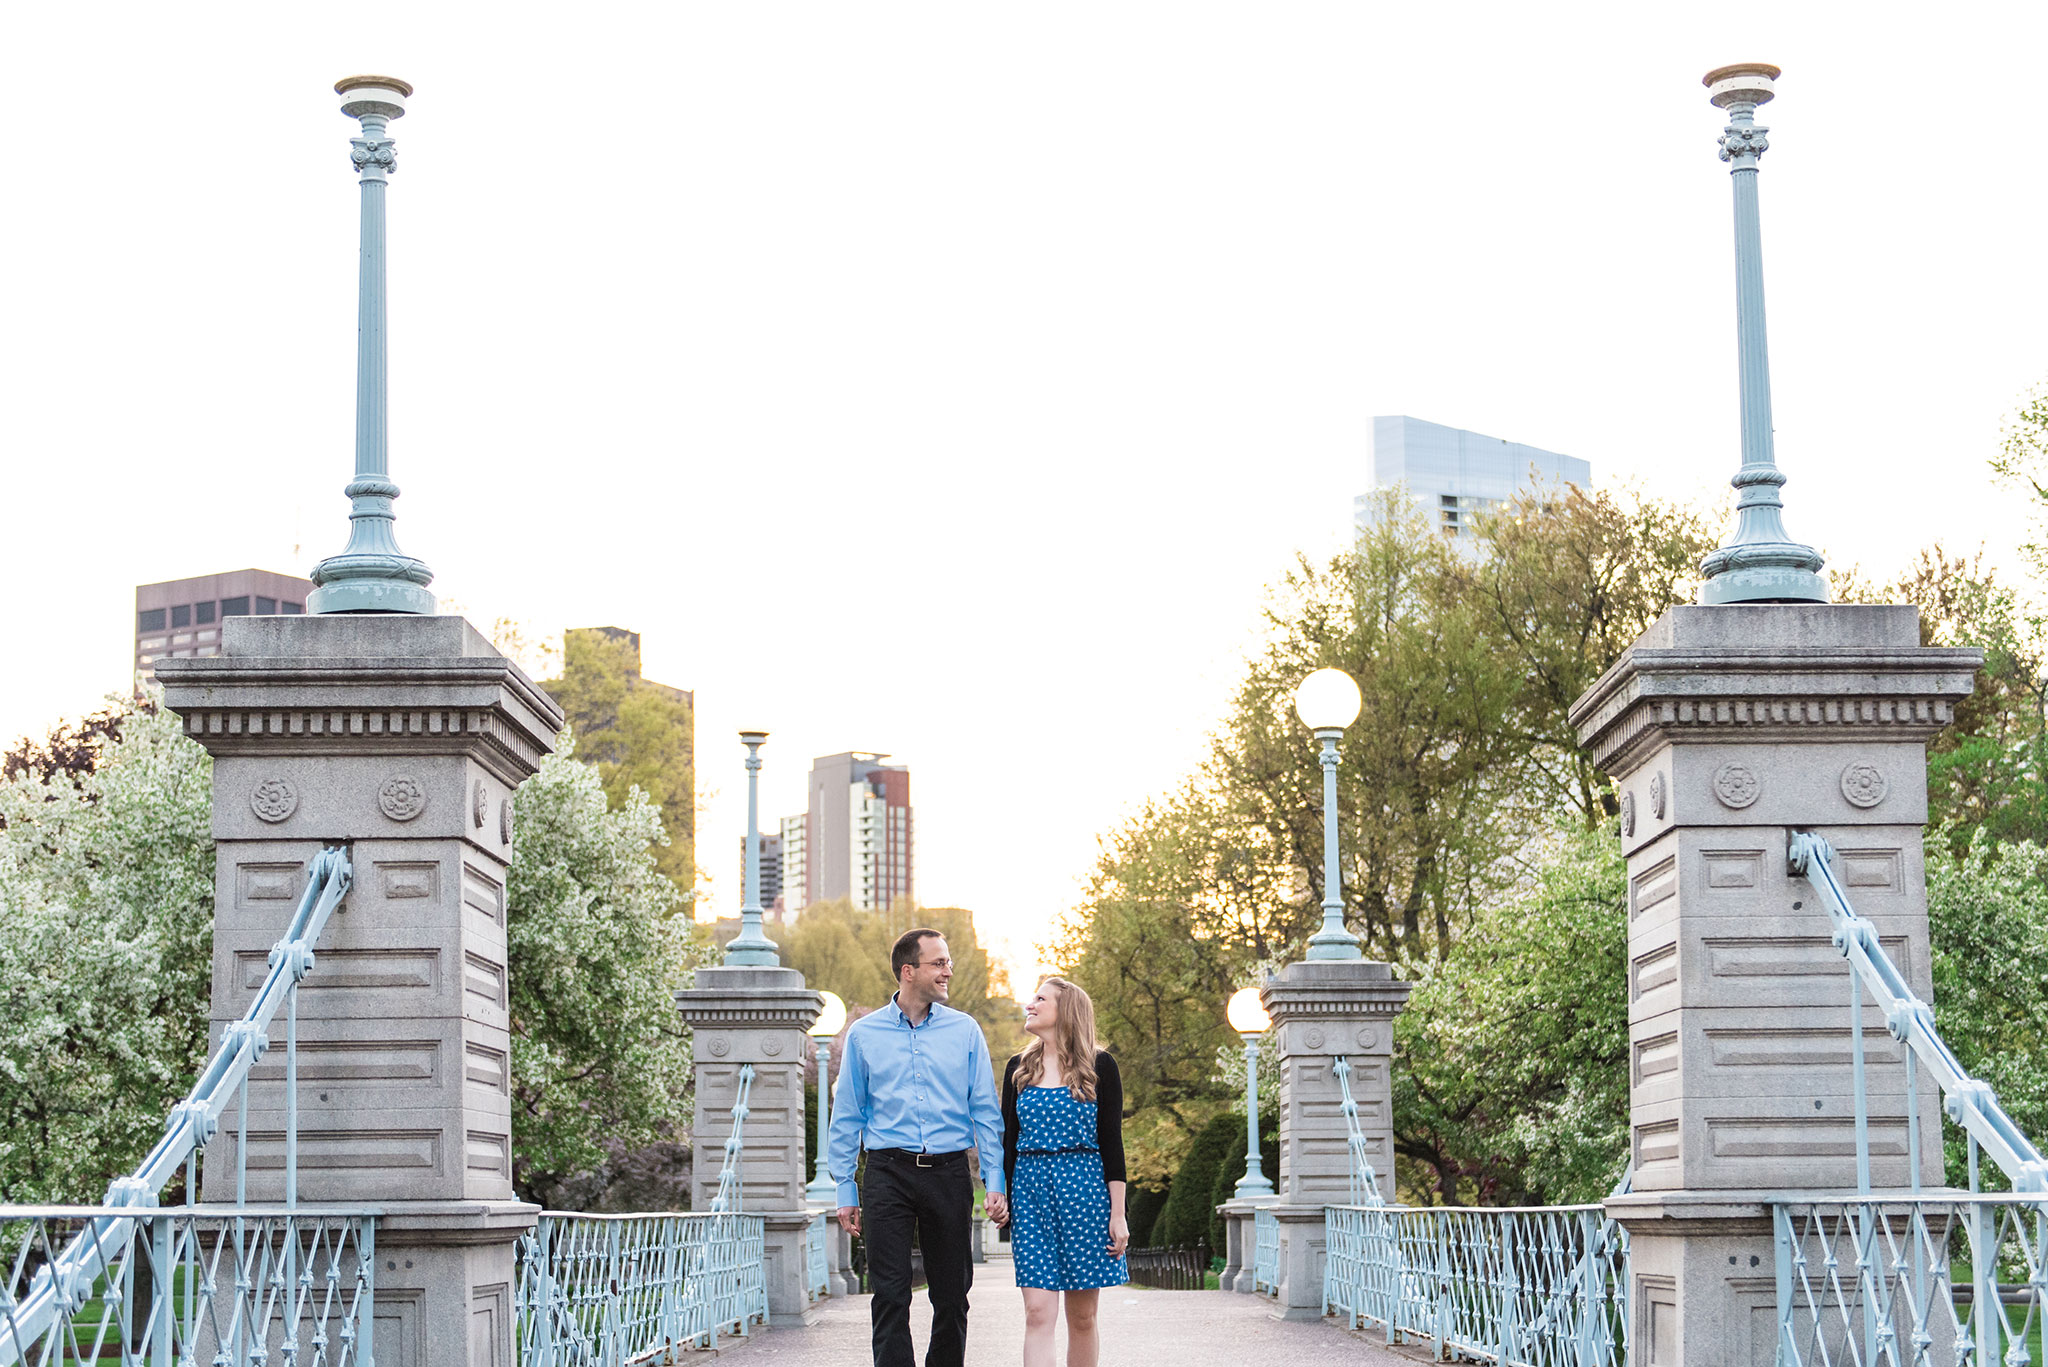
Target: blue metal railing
[
  {"x": 74, "y": 1267},
  {"x": 1873, "y": 1278},
  {"x": 616, "y": 1290},
  {"x": 817, "y": 1261},
  {"x": 1265, "y": 1252},
  {"x": 1542, "y": 1285}
]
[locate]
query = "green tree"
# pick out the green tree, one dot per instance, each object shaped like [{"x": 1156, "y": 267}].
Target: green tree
[
  {"x": 1987, "y": 913},
  {"x": 1511, "y": 1062},
  {"x": 1186, "y": 1216},
  {"x": 839, "y": 948},
  {"x": 1568, "y": 579},
  {"x": 596, "y": 948},
  {"x": 106, "y": 935},
  {"x": 639, "y": 734}
]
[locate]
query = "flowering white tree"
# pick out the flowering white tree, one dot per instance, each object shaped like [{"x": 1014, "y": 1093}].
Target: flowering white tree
[{"x": 106, "y": 933}]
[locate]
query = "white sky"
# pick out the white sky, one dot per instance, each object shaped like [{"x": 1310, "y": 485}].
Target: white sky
[{"x": 950, "y": 379}]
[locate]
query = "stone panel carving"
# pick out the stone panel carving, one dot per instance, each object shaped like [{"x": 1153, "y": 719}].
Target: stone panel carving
[
  {"x": 1657, "y": 795},
  {"x": 505, "y": 822},
  {"x": 1736, "y": 785},
  {"x": 1628, "y": 813},
  {"x": 1863, "y": 783},
  {"x": 479, "y": 803},
  {"x": 274, "y": 800},
  {"x": 402, "y": 797}
]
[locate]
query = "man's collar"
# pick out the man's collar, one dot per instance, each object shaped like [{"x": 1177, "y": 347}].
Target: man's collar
[{"x": 929, "y": 1012}]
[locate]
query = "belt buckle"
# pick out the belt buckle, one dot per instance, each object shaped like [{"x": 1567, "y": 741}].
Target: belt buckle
[{"x": 923, "y": 1160}]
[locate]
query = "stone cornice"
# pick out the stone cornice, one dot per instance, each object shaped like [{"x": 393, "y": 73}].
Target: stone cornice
[
  {"x": 1653, "y": 696},
  {"x": 1290, "y": 1002},
  {"x": 755, "y": 1009}
]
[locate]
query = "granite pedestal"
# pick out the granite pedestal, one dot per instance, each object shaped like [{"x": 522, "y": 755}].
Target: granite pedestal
[
  {"x": 756, "y": 1016},
  {"x": 1324, "y": 1010},
  {"x": 403, "y": 737},
  {"x": 1727, "y": 728}
]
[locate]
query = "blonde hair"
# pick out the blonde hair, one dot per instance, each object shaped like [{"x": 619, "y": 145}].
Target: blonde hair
[{"x": 1073, "y": 1036}]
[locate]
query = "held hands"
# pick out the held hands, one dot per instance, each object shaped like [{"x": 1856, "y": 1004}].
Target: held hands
[
  {"x": 849, "y": 1219},
  {"x": 998, "y": 1207},
  {"x": 1119, "y": 1235}
]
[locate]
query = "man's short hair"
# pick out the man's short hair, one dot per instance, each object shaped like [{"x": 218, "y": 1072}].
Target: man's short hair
[{"x": 909, "y": 948}]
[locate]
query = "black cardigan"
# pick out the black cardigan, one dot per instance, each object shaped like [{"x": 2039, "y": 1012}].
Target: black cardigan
[{"x": 1109, "y": 1119}]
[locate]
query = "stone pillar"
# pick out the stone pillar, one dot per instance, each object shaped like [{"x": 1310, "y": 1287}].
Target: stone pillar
[
  {"x": 1726, "y": 728},
  {"x": 1324, "y": 1010},
  {"x": 404, "y": 736},
  {"x": 742, "y": 1015}
]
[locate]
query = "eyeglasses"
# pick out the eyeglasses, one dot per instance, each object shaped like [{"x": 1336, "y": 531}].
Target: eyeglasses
[{"x": 936, "y": 963}]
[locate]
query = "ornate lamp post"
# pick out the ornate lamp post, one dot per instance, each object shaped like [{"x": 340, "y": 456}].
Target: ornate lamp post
[
  {"x": 1327, "y": 701},
  {"x": 1760, "y": 563},
  {"x": 1248, "y": 1017},
  {"x": 824, "y": 1030},
  {"x": 371, "y": 574},
  {"x": 751, "y": 948}
]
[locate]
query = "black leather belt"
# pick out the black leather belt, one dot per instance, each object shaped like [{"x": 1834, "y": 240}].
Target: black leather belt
[{"x": 922, "y": 1160}]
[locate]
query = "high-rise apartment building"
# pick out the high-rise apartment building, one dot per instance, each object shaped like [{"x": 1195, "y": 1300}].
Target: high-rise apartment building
[
  {"x": 771, "y": 873},
  {"x": 855, "y": 841},
  {"x": 182, "y": 617},
  {"x": 1454, "y": 475},
  {"x": 795, "y": 866}
]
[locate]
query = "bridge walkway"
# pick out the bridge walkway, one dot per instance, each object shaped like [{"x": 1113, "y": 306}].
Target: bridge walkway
[{"x": 1140, "y": 1328}]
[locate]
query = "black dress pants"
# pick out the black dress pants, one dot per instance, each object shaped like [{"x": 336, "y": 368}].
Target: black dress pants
[{"x": 937, "y": 1201}]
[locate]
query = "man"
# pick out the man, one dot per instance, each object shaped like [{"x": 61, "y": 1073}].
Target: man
[{"x": 916, "y": 1091}]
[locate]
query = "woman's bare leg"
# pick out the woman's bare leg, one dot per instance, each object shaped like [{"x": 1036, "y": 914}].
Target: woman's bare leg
[
  {"x": 1084, "y": 1344},
  {"x": 1041, "y": 1322}
]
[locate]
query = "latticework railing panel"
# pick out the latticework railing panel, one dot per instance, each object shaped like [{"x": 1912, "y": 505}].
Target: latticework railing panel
[{"x": 200, "y": 1284}]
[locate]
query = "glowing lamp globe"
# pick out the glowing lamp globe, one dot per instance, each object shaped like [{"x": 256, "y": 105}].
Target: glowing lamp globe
[
  {"x": 1247, "y": 1013},
  {"x": 1327, "y": 700},
  {"x": 831, "y": 1018}
]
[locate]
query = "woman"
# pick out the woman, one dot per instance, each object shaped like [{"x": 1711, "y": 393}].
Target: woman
[{"x": 1063, "y": 1153}]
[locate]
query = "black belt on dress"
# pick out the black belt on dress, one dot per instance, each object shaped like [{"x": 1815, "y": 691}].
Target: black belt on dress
[
  {"x": 922, "y": 1160},
  {"x": 1071, "y": 1148}
]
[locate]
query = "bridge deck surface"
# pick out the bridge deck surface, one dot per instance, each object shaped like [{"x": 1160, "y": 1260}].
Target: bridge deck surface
[{"x": 1140, "y": 1328}]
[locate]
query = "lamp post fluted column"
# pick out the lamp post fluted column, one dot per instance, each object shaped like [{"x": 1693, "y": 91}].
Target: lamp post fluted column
[
  {"x": 822, "y": 1186},
  {"x": 1333, "y": 941},
  {"x": 1254, "y": 1182},
  {"x": 371, "y": 574},
  {"x": 1760, "y": 563},
  {"x": 751, "y": 947}
]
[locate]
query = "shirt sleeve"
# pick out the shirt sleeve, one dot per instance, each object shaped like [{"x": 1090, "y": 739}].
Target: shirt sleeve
[
  {"x": 1010, "y": 1123},
  {"x": 985, "y": 1116},
  {"x": 849, "y": 1118},
  {"x": 1109, "y": 1118}
]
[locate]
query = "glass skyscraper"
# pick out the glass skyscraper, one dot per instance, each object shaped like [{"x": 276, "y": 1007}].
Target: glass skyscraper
[{"x": 1454, "y": 475}]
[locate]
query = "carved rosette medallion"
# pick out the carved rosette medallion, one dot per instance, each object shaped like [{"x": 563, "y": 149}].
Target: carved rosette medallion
[
  {"x": 479, "y": 804},
  {"x": 1736, "y": 785},
  {"x": 1312, "y": 1038},
  {"x": 402, "y": 797},
  {"x": 1368, "y": 1037},
  {"x": 274, "y": 800},
  {"x": 771, "y": 1045},
  {"x": 505, "y": 822},
  {"x": 1657, "y": 796},
  {"x": 1864, "y": 784},
  {"x": 1628, "y": 813},
  {"x": 718, "y": 1046}
]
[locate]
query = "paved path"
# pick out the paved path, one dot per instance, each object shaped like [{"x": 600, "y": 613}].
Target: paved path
[{"x": 1140, "y": 1328}]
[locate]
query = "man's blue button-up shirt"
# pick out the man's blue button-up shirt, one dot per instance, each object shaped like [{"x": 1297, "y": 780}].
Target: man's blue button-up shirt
[{"x": 928, "y": 1088}]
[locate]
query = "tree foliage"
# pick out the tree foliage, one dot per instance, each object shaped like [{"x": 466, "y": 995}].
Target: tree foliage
[
  {"x": 106, "y": 935},
  {"x": 1987, "y": 913},
  {"x": 1468, "y": 656},
  {"x": 1511, "y": 1062},
  {"x": 638, "y": 734},
  {"x": 597, "y": 947},
  {"x": 839, "y": 948}
]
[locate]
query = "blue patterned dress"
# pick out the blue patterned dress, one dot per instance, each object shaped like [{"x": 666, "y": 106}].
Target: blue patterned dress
[{"x": 1059, "y": 1199}]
